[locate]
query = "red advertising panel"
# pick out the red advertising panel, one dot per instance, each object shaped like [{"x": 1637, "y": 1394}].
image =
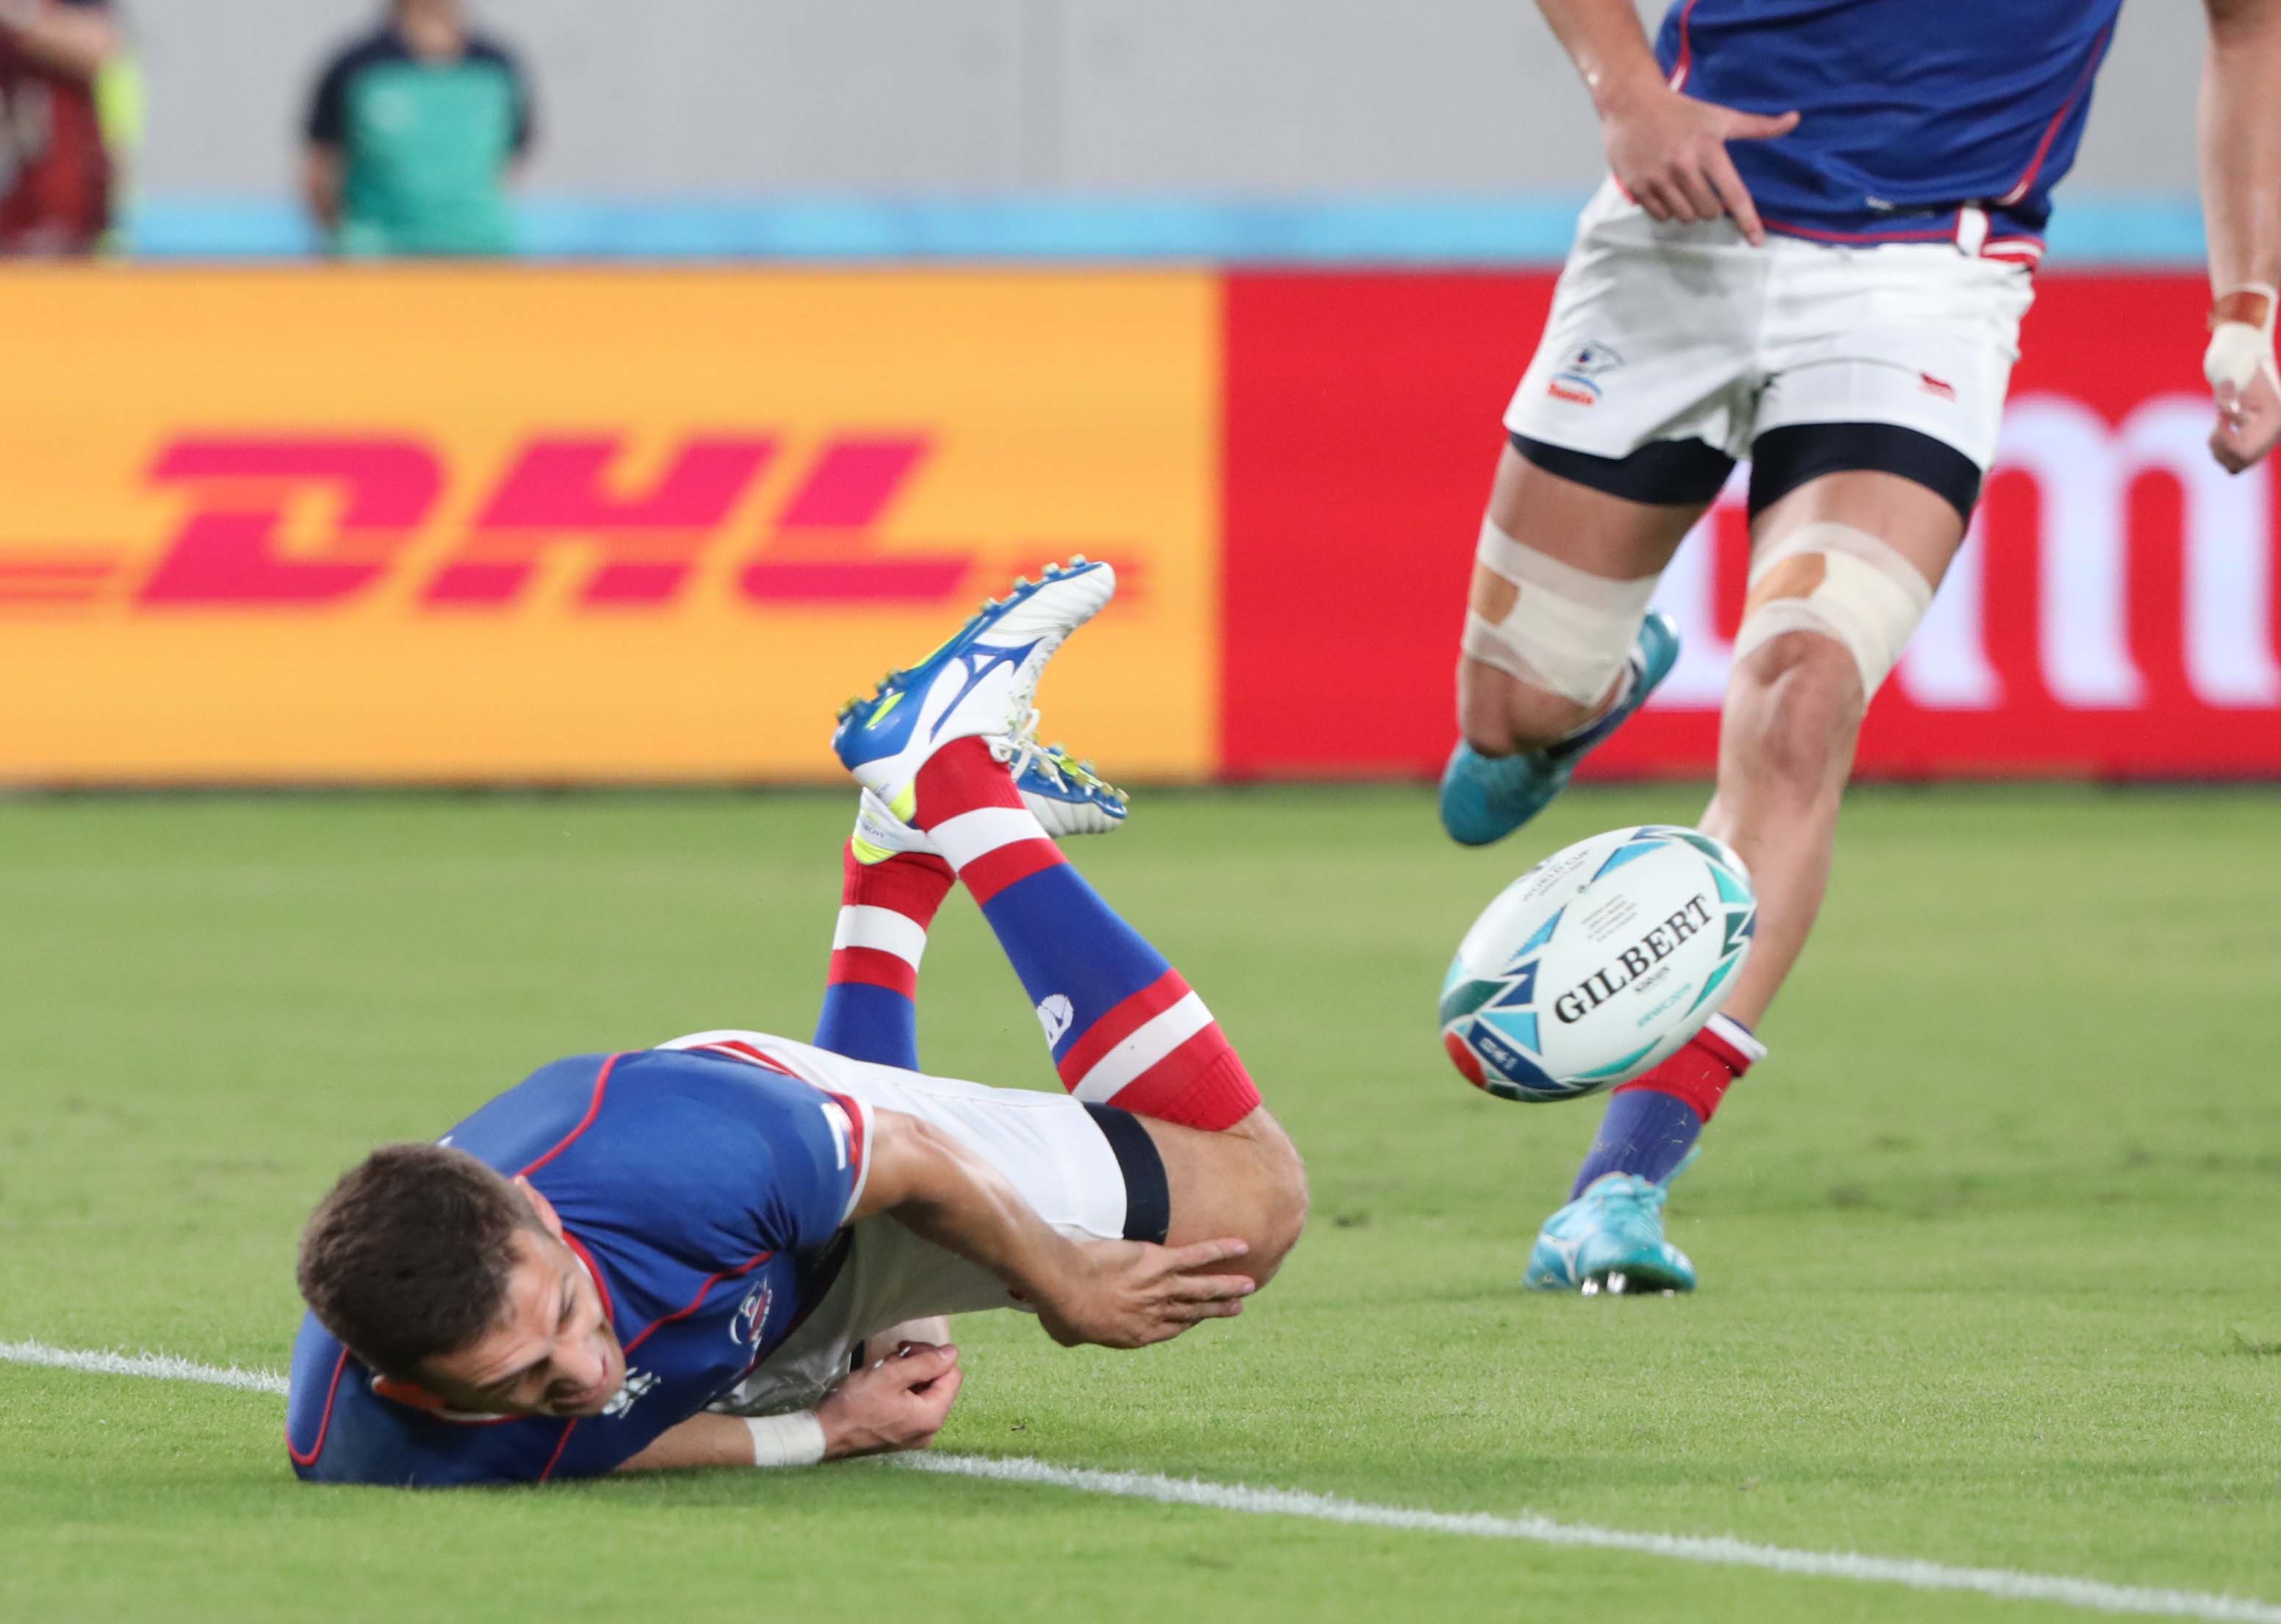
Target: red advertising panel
[{"x": 2115, "y": 612}]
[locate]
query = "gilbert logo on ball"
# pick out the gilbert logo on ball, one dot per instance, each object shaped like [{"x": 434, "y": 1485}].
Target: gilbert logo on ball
[{"x": 1598, "y": 963}]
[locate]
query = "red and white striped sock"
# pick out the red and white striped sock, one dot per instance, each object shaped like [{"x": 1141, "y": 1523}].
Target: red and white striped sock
[
  {"x": 1705, "y": 1068},
  {"x": 968, "y": 805},
  {"x": 1124, "y": 1028},
  {"x": 886, "y": 910},
  {"x": 871, "y": 996}
]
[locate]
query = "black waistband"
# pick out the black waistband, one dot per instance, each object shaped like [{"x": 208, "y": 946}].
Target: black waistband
[{"x": 1147, "y": 1195}]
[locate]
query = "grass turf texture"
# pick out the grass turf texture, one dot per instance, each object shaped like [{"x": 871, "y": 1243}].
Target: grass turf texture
[{"x": 1987, "y": 1246}]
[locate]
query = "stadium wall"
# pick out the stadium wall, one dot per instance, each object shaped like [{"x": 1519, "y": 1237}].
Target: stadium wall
[{"x": 597, "y": 524}]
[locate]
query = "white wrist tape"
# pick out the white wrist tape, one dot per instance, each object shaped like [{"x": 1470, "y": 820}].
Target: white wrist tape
[
  {"x": 2241, "y": 335},
  {"x": 1550, "y": 625},
  {"x": 794, "y": 1440},
  {"x": 1842, "y": 583}
]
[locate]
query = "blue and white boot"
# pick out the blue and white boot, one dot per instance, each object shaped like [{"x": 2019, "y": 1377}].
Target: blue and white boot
[
  {"x": 1609, "y": 1238},
  {"x": 1485, "y": 797},
  {"x": 1065, "y": 795},
  {"x": 980, "y": 684}
]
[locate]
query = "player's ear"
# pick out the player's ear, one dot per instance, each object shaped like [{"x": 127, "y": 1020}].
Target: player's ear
[{"x": 548, "y": 1218}]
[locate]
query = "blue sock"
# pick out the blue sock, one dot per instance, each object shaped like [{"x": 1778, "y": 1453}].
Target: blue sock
[{"x": 1646, "y": 1132}]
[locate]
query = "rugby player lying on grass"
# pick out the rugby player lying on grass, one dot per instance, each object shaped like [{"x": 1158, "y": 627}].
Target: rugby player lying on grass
[{"x": 734, "y": 1250}]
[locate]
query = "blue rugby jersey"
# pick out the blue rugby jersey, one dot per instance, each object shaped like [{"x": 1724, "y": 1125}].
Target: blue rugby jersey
[
  {"x": 1912, "y": 108},
  {"x": 704, "y": 1191}
]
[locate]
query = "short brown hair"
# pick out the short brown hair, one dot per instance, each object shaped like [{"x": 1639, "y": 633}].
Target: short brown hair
[{"x": 408, "y": 1257}]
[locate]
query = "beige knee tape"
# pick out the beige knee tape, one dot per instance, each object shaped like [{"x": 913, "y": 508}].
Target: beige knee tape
[
  {"x": 1841, "y": 583},
  {"x": 1549, "y": 624}
]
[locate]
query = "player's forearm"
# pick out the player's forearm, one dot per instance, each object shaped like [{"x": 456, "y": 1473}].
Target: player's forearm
[
  {"x": 72, "y": 40},
  {"x": 2240, "y": 133},
  {"x": 708, "y": 1440},
  {"x": 1605, "y": 40},
  {"x": 321, "y": 186},
  {"x": 931, "y": 1184}
]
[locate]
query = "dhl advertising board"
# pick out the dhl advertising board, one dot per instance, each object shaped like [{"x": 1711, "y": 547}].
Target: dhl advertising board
[
  {"x": 518, "y": 524},
  {"x": 438, "y": 525}
]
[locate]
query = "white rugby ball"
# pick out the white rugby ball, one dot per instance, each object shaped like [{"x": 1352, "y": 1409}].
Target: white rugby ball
[{"x": 1596, "y": 964}]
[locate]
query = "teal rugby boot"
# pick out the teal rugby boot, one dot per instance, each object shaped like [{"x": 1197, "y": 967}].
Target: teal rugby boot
[
  {"x": 979, "y": 684},
  {"x": 1609, "y": 1238},
  {"x": 1485, "y": 797}
]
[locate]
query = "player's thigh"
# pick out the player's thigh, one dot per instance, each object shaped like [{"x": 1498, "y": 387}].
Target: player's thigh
[
  {"x": 1591, "y": 519},
  {"x": 1887, "y": 375},
  {"x": 1623, "y": 429}
]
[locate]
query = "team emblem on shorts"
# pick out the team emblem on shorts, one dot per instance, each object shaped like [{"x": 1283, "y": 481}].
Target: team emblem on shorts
[
  {"x": 1574, "y": 382},
  {"x": 751, "y": 1317}
]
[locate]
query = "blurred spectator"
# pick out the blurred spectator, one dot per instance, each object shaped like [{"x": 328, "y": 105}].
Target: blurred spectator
[
  {"x": 55, "y": 169},
  {"x": 413, "y": 136}
]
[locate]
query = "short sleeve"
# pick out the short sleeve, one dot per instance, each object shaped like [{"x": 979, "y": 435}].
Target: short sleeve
[
  {"x": 820, "y": 1171},
  {"x": 711, "y": 1161},
  {"x": 329, "y": 109}
]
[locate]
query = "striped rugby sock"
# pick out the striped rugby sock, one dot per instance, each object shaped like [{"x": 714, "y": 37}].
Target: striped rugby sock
[
  {"x": 870, "y": 998},
  {"x": 1653, "y": 1121},
  {"x": 1125, "y": 1029}
]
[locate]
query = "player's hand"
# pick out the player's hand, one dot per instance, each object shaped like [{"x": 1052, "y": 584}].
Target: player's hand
[
  {"x": 1668, "y": 152},
  {"x": 899, "y": 1403},
  {"x": 2248, "y": 420},
  {"x": 1128, "y": 1294}
]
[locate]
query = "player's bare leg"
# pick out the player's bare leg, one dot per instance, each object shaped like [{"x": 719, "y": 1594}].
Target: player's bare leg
[
  {"x": 1793, "y": 714},
  {"x": 1843, "y": 565},
  {"x": 1245, "y": 1180},
  {"x": 1558, "y": 647}
]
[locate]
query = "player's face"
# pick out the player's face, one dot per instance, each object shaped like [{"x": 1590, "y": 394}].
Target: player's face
[{"x": 552, "y": 1352}]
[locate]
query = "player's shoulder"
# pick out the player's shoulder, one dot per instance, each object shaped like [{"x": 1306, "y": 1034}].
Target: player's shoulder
[
  {"x": 371, "y": 47},
  {"x": 493, "y": 51}
]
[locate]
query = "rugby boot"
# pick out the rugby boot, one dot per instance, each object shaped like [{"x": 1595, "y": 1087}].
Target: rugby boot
[
  {"x": 1610, "y": 1240},
  {"x": 1485, "y": 797},
  {"x": 980, "y": 684},
  {"x": 1065, "y": 795}
]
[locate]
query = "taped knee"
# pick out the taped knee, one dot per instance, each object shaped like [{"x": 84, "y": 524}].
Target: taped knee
[
  {"x": 1841, "y": 583},
  {"x": 1549, "y": 623}
]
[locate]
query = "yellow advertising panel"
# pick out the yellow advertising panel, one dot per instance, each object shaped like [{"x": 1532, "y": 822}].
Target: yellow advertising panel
[{"x": 514, "y": 524}]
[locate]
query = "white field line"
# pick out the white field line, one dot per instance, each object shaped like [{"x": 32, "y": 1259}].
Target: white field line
[
  {"x": 164, "y": 1366},
  {"x": 2088, "y": 1595}
]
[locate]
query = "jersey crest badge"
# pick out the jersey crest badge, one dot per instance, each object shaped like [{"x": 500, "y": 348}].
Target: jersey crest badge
[{"x": 752, "y": 1320}]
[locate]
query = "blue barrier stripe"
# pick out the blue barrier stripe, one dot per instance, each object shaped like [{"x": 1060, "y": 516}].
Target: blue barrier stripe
[{"x": 1453, "y": 232}]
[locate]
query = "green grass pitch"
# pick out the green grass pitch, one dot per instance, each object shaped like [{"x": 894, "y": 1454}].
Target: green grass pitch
[{"x": 1991, "y": 1248}]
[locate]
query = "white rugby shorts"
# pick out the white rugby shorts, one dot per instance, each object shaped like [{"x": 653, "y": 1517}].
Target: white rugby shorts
[
  {"x": 1672, "y": 331},
  {"x": 1046, "y": 1145}
]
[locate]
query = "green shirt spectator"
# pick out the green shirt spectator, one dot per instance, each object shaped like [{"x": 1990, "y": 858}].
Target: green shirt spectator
[{"x": 413, "y": 136}]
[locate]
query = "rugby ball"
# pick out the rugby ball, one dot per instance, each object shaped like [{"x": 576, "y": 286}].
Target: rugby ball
[{"x": 1598, "y": 963}]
